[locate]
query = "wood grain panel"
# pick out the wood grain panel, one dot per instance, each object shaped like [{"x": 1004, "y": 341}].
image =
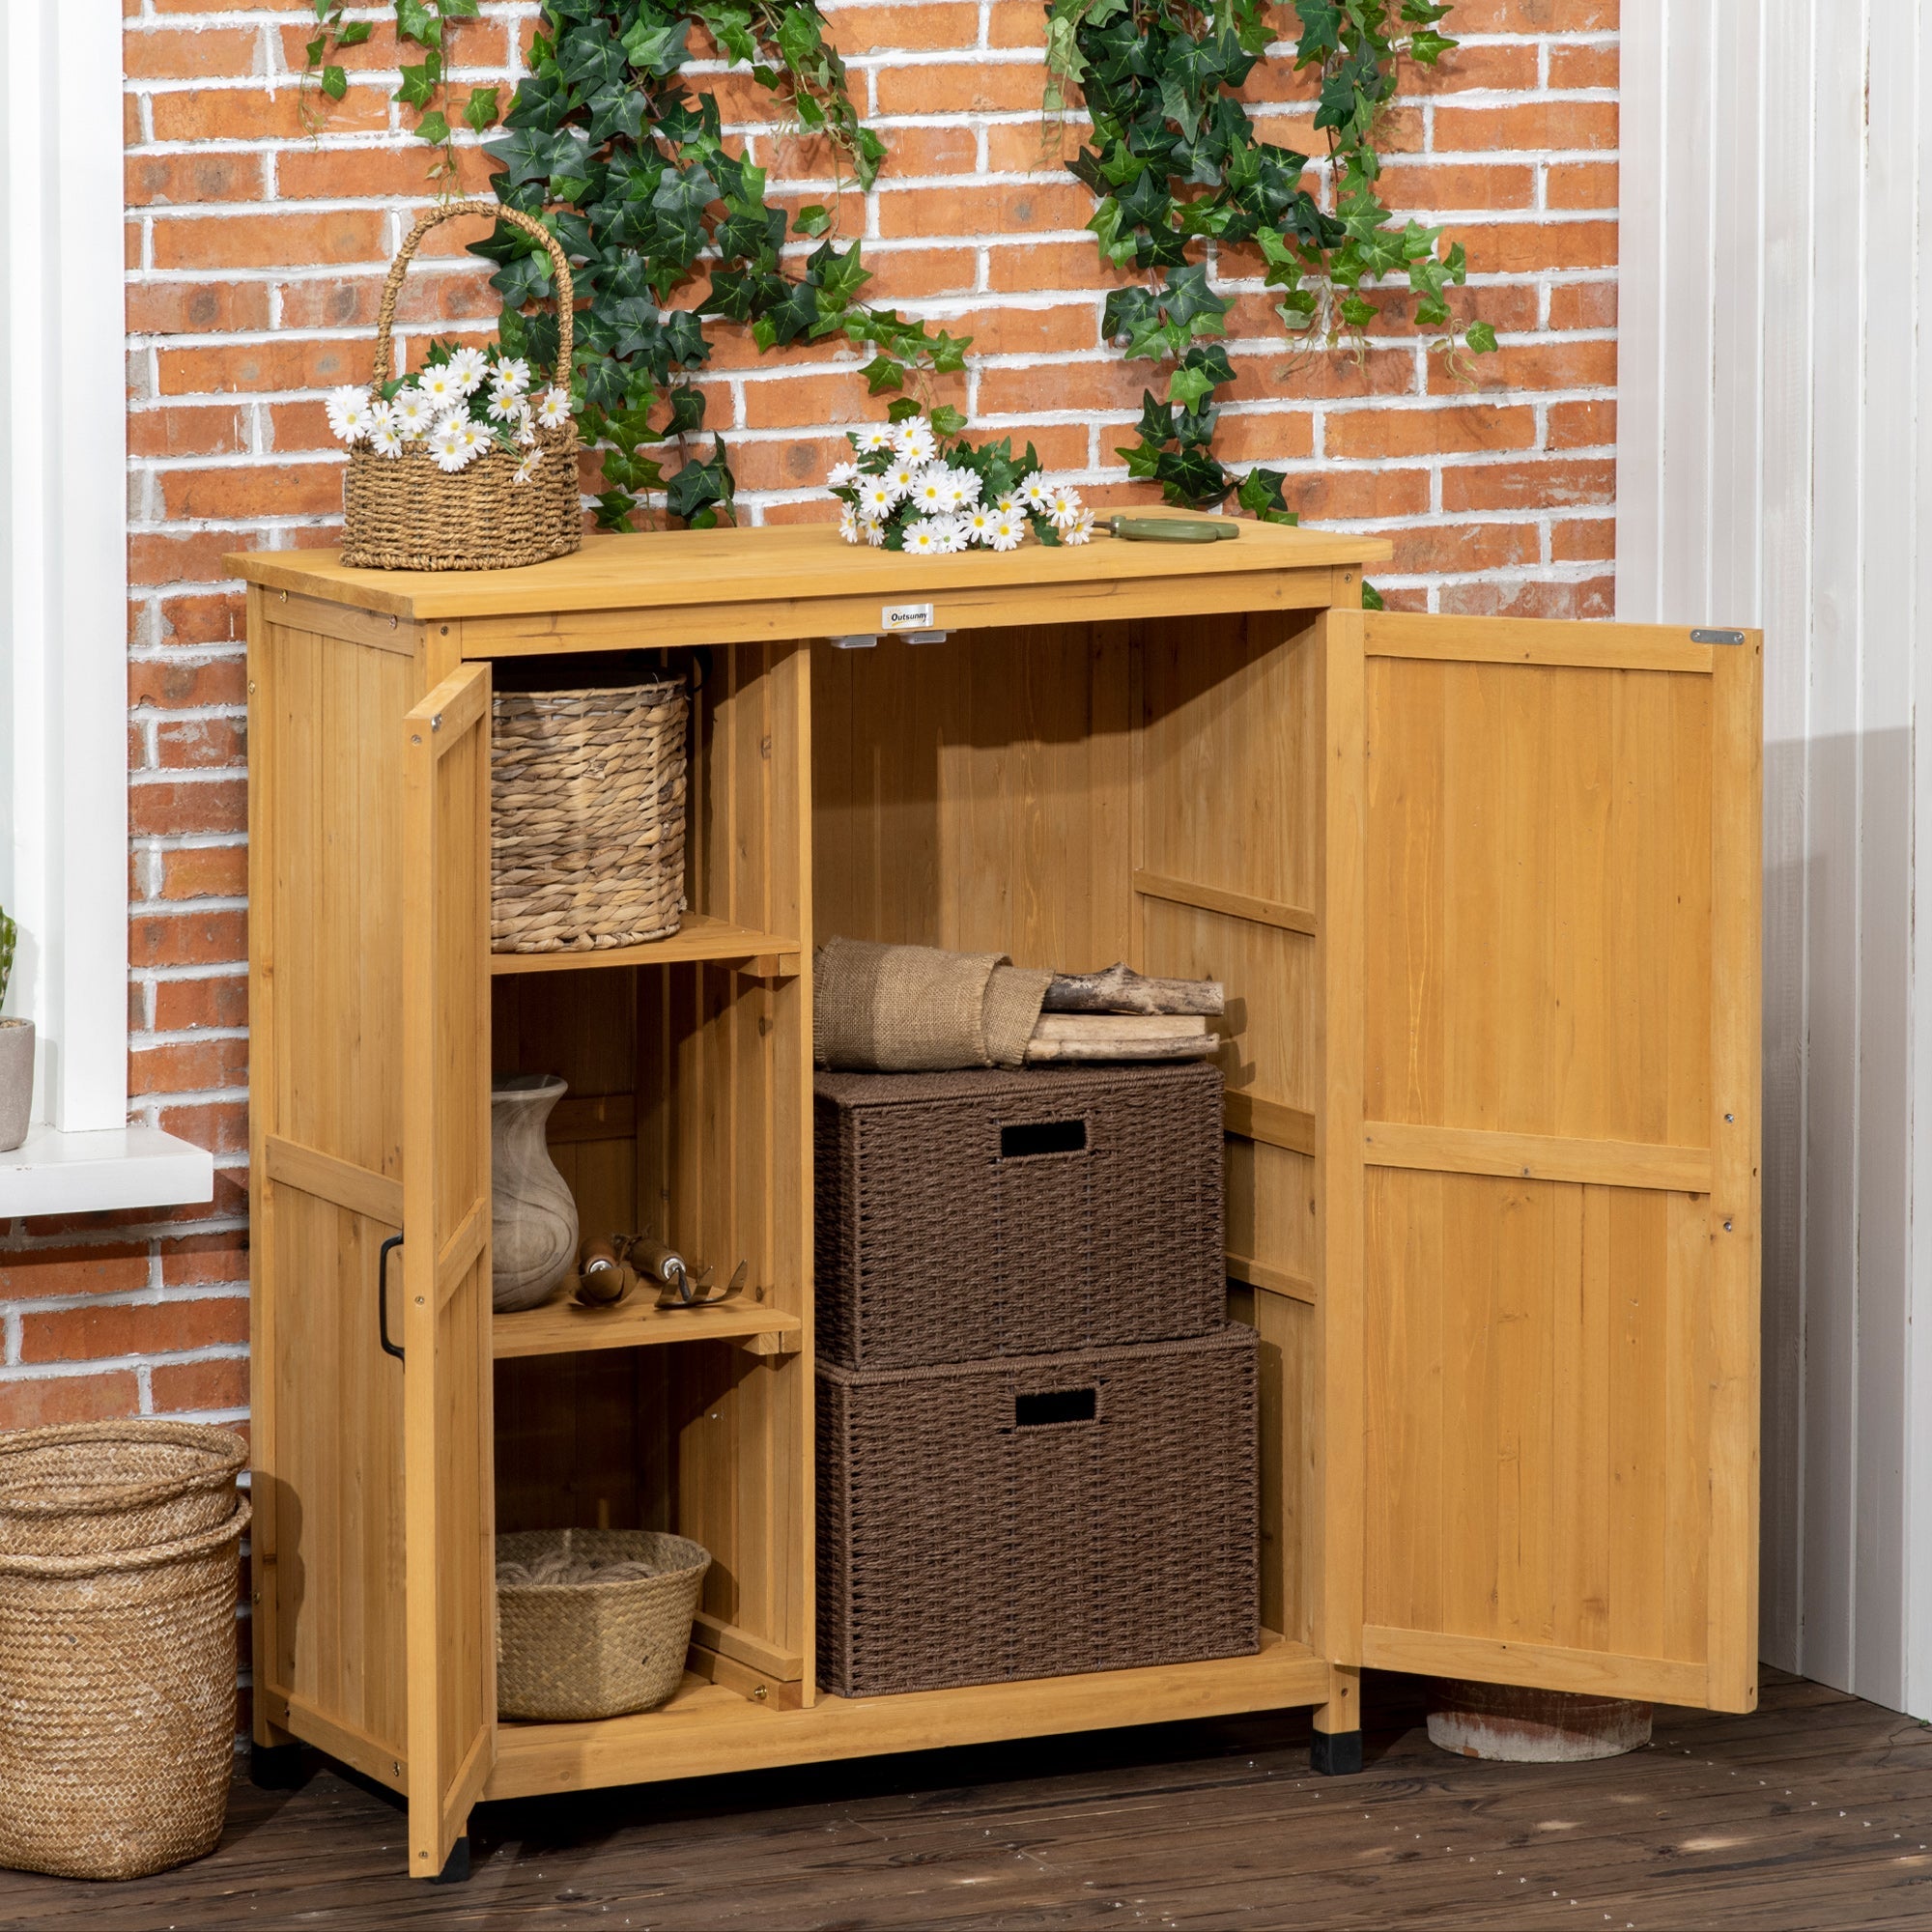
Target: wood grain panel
[
  {"x": 1539, "y": 901},
  {"x": 1539, "y": 1410}
]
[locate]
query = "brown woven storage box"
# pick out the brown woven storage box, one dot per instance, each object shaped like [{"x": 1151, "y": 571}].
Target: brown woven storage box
[
  {"x": 961, "y": 1217},
  {"x": 81, "y": 1488},
  {"x": 989, "y": 1521},
  {"x": 403, "y": 513},
  {"x": 116, "y": 1704},
  {"x": 566, "y": 1651},
  {"x": 587, "y": 816}
]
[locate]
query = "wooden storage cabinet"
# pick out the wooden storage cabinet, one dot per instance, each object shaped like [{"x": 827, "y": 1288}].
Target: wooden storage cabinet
[{"x": 1483, "y": 895}]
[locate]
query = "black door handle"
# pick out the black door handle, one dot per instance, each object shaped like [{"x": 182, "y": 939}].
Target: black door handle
[{"x": 389, "y": 1347}]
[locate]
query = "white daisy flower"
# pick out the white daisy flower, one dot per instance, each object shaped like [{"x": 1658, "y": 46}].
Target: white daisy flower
[
  {"x": 914, "y": 439},
  {"x": 955, "y": 530},
  {"x": 386, "y": 439},
  {"x": 841, "y": 474},
  {"x": 867, "y": 442},
  {"x": 411, "y": 413},
  {"x": 928, "y": 537},
  {"x": 467, "y": 368},
  {"x": 962, "y": 488},
  {"x": 349, "y": 413},
  {"x": 930, "y": 490},
  {"x": 1064, "y": 510},
  {"x": 524, "y": 427},
  {"x": 1080, "y": 530},
  {"x": 875, "y": 534},
  {"x": 977, "y": 523},
  {"x": 512, "y": 374},
  {"x": 448, "y": 445},
  {"x": 554, "y": 412},
  {"x": 1008, "y": 531},
  {"x": 903, "y": 477},
  {"x": 440, "y": 390},
  {"x": 528, "y": 468},
  {"x": 848, "y": 525},
  {"x": 1012, "y": 503},
  {"x": 879, "y": 498},
  {"x": 506, "y": 406},
  {"x": 1038, "y": 493},
  {"x": 474, "y": 437}
]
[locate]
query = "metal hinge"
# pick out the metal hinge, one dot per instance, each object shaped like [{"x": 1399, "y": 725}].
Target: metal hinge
[{"x": 1716, "y": 637}]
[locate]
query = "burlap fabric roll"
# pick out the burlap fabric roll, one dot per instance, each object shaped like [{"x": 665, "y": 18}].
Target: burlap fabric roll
[{"x": 919, "y": 1010}]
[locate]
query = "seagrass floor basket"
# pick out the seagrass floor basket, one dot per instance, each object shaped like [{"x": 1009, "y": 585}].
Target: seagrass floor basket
[
  {"x": 404, "y": 513},
  {"x": 598, "y": 1647},
  {"x": 587, "y": 817},
  {"x": 117, "y": 1658}
]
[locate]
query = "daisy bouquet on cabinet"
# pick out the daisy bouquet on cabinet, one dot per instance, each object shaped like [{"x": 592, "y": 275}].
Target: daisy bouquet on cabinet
[
  {"x": 462, "y": 404},
  {"x": 915, "y": 484}
]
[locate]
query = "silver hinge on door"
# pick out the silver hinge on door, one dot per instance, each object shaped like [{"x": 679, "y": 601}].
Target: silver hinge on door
[{"x": 1716, "y": 637}]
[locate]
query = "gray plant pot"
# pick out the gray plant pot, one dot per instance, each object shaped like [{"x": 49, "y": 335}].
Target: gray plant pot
[{"x": 16, "y": 1081}]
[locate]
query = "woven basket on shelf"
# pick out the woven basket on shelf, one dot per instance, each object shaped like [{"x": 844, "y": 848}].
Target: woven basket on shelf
[
  {"x": 82, "y": 1488},
  {"x": 117, "y": 1722},
  {"x": 588, "y": 810},
  {"x": 566, "y": 1651},
  {"x": 403, "y": 513}
]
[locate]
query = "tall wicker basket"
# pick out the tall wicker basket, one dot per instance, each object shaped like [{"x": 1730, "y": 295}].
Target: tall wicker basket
[
  {"x": 403, "y": 513},
  {"x": 587, "y": 817},
  {"x": 117, "y": 1658}
]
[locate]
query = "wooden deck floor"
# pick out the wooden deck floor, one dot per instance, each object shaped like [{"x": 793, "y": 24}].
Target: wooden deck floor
[{"x": 1815, "y": 1812}]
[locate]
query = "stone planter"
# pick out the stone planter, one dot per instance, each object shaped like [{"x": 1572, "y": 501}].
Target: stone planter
[
  {"x": 16, "y": 1081},
  {"x": 532, "y": 1212}
]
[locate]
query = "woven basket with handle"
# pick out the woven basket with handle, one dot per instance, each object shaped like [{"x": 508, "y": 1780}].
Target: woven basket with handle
[{"x": 403, "y": 513}]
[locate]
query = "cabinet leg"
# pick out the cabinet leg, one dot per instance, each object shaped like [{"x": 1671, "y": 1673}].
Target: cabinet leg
[
  {"x": 456, "y": 1867},
  {"x": 1337, "y": 1748},
  {"x": 277, "y": 1766}
]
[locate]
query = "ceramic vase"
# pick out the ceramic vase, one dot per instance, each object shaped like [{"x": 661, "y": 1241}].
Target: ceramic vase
[
  {"x": 532, "y": 1213},
  {"x": 17, "y": 1082}
]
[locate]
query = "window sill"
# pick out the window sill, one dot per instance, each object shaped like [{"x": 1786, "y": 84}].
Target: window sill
[{"x": 54, "y": 1173}]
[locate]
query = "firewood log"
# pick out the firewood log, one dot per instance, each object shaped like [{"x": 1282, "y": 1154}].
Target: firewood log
[{"x": 1121, "y": 990}]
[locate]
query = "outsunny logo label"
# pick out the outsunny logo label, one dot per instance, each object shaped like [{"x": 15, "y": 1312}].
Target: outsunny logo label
[{"x": 906, "y": 617}]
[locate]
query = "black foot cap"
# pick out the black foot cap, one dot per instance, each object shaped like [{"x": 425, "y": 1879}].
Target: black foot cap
[
  {"x": 276, "y": 1766},
  {"x": 457, "y": 1870},
  {"x": 1336, "y": 1753}
]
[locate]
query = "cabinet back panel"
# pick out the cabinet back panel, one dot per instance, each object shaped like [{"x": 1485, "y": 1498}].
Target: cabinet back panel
[{"x": 975, "y": 794}]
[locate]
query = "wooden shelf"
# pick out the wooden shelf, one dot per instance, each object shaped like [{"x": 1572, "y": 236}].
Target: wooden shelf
[
  {"x": 563, "y": 1328},
  {"x": 699, "y": 937},
  {"x": 706, "y": 1727}
]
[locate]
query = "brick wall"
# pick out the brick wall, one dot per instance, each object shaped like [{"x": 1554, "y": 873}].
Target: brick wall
[{"x": 254, "y": 258}]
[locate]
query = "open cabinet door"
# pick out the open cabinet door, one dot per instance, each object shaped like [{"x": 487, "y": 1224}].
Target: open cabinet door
[
  {"x": 1560, "y": 911},
  {"x": 448, "y": 1482}
]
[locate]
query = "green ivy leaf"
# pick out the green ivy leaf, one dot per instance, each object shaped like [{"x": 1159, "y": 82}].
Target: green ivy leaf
[
  {"x": 334, "y": 82},
  {"x": 432, "y": 128},
  {"x": 419, "y": 83},
  {"x": 812, "y": 220},
  {"x": 481, "y": 111},
  {"x": 417, "y": 22},
  {"x": 1480, "y": 337}
]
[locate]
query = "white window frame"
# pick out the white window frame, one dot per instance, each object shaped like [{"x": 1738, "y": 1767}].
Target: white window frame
[{"x": 64, "y": 865}]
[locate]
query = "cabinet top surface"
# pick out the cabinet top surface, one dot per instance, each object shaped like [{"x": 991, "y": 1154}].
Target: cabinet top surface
[{"x": 802, "y": 562}]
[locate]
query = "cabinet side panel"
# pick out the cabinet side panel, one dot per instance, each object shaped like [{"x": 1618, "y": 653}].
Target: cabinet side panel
[{"x": 326, "y": 975}]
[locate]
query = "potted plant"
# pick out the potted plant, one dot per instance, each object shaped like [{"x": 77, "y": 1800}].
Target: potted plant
[{"x": 16, "y": 1053}]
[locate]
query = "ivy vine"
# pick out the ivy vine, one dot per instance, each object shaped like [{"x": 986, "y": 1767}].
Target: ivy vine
[
  {"x": 424, "y": 88},
  {"x": 1178, "y": 167},
  {"x": 607, "y": 148}
]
